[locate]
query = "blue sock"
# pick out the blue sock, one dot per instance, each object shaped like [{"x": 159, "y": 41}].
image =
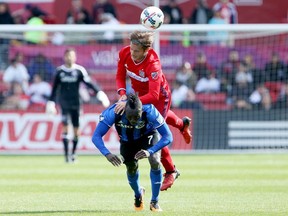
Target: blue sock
[
  {"x": 156, "y": 179},
  {"x": 134, "y": 183}
]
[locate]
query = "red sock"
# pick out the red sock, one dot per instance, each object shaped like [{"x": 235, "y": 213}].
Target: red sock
[
  {"x": 166, "y": 160},
  {"x": 173, "y": 120}
]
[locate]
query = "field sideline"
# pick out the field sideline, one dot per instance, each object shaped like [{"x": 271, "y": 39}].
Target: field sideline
[{"x": 233, "y": 185}]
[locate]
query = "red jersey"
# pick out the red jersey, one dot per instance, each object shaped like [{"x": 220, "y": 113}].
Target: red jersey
[{"x": 147, "y": 79}]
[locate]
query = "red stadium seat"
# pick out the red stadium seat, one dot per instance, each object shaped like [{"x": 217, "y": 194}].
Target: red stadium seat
[
  {"x": 274, "y": 89},
  {"x": 211, "y": 97},
  {"x": 213, "y": 101}
]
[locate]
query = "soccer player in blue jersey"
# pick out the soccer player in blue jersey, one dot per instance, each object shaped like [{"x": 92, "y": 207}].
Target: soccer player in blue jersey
[{"x": 138, "y": 129}]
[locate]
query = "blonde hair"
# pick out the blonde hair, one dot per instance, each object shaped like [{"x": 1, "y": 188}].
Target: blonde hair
[{"x": 145, "y": 39}]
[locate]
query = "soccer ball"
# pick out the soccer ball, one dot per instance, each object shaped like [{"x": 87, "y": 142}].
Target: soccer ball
[{"x": 152, "y": 17}]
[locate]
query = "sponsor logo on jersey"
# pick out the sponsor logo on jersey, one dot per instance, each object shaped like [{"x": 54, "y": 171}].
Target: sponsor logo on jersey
[
  {"x": 122, "y": 125},
  {"x": 68, "y": 79},
  {"x": 101, "y": 118},
  {"x": 136, "y": 77},
  {"x": 154, "y": 75},
  {"x": 140, "y": 125},
  {"x": 74, "y": 73}
]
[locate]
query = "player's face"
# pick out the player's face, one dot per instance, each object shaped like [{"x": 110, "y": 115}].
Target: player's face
[
  {"x": 133, "y": 118},
  {"x": 137, "y": 52},
  {"x": 70, "y": 58}
]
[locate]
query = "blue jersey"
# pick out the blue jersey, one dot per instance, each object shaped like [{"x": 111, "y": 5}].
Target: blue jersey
[{"x": 150, "y": 120}]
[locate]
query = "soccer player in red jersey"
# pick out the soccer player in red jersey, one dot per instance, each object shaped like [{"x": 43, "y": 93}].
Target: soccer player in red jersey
[{"x": 141, "y": 63}]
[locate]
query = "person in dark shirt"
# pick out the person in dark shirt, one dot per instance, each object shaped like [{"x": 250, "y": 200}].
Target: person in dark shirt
[
  {"x": 78, "y": 14},
  {"x": 275, "y": 69},
  {"x": 66, "y": 86},
  {"x": 5, "y": 15},
  {"x": 174, "y": 11},
  {"x": 138, "y": 129},
  {"x": 5, "y": 19},
  {"x": 101, "y": 7}
]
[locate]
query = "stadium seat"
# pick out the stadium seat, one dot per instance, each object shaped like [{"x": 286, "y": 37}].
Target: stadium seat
[
  {"x": 213, "y": 101},
  {"x": 211, "y": 97},
  {"x": 274, "y": 89}
]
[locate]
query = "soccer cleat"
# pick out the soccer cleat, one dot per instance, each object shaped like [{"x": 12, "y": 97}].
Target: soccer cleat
[
  {"x": 73, "y": 158},
  {"x": 186, "y": 131},
  {"x": 169, "y": 179},
  {"x": 139, "y": 201},
  {"x": 67, "y": 160},
  {"x": 154, "y": 207}
]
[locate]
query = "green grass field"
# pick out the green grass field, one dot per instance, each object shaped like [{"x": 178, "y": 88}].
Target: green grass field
[{"x": 209, "y": 185}]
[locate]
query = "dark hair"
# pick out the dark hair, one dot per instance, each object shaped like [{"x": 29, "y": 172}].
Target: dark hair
[
  {"x": 70, "y": 49},
  {"x": 133, "y": 105}
]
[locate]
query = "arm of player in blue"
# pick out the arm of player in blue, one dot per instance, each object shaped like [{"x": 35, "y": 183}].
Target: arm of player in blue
[
  {"x": 166, "y": 139},
  {"x": 106, "y": 120}
]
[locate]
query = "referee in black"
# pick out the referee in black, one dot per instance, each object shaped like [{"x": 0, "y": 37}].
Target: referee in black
[{"x": 65, "y": 89}]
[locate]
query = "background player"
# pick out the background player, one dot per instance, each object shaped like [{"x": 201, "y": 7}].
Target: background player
[
  {"x": 66, "y": 84},
  {"x": 139, "y": 139},
  {"x": 141, "y": 63}
]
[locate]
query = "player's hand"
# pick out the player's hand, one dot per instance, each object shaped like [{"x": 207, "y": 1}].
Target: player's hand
[
  {"x": 114, "y": 159},
  {"x": 120, "y": 107},
  {"x": 102, "y": 97},
  {"x": 142, "y": 154},
  {"x": 50, "y": 108},
  {"x": 123, "y": 98}
]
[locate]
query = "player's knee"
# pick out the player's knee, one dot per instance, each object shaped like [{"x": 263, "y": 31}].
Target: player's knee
[
  {"x": 154, "y": 161},
  {"x": 132, "y": 167},
  {"x": 155, "y": 165}
]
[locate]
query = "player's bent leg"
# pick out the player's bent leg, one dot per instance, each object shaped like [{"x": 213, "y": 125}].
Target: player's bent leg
[
  {"x": 155, "y": 175},
  {"x": 166, "y": 160},
  {"x": 173, "y": 120},
  {"x": 185, "y": 130},
  {"x": 171, "y": 172},
  {"x": 133, "y": 179},
  {"x": 65, "y": 142},
  {"x": 73, "y": 156},
  {"x": 139, "y": 201},
  {"x": 182, "y": 124}
]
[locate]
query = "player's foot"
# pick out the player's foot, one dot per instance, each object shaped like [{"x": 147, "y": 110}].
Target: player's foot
[
  {"x": 139, "y": 201},
  {"x": 186, "y": 131},
  {"x": 169, "y": 179},
  {"x": 67, "y": 159},
  {"x": 73, "y": 158},
  {"x": 154, "y": 206}
]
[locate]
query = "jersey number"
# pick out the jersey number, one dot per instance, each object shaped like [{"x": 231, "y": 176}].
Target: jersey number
[{"x": 150, "y": 139}]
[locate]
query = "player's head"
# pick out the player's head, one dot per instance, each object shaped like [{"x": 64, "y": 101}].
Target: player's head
[
  {"x": 133, "y": 109},
  {"x": 69, "y": 56},
  {"x": 140, "y": 43}
]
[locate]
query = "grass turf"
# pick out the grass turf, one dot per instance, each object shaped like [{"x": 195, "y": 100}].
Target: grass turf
[{"x": 209, "y": 185}]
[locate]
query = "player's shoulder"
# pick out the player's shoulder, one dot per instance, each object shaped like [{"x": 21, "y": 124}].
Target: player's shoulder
[
  {"x": 79, "y": 67},
  {"x": 153, "y": 59},
  {"x": 60, "y": 68},
  {"x": 149, "y": 108},
  {"x": 110, "y": 109},
  {"x": 124, "y": 51},
  {"x": 153, "y": 55}
]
